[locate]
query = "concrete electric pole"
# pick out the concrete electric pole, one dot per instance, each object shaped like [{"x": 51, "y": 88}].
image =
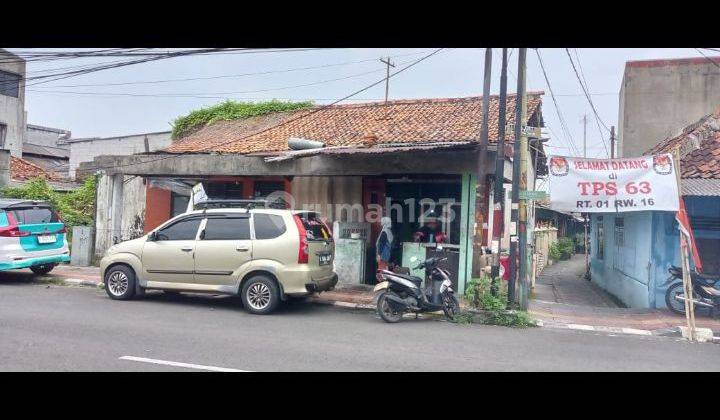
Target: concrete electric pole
[
  {"x": 518, "y": 238},
  {"x": 499, "y": 196},
  {"x": 481, "y": 202}
]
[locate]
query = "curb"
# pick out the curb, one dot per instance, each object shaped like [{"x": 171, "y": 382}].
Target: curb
[
  {"x": 665, "y": 332},
  {"x": 66, "y": 281}
]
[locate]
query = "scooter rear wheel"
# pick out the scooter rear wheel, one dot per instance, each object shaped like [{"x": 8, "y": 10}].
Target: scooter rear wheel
[
  {"x": 677, "y": 305},
  {"x": 451, "y": 306},
  {"x": 386, "y": 312}
]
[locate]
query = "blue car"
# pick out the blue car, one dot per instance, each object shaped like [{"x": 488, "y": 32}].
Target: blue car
[{"x": 32, "y": 235}]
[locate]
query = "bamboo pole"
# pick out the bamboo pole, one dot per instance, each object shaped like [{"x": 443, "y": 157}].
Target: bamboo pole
[{"x": 684, "y": 243}]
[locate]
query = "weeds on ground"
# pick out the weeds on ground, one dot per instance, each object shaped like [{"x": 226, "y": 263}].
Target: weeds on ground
[{"x": 492, "y": 306}]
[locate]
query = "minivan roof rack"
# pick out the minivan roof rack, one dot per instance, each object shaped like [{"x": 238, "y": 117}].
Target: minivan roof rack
[{"x": 247, "y": 204}]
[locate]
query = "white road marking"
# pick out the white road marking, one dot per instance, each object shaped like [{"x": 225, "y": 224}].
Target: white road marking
[{"x": 179, "y": 364}]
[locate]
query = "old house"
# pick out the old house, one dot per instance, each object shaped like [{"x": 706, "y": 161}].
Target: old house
[
  {"x": 407, "y": 159},
  {"x": 631, "y": 252}
]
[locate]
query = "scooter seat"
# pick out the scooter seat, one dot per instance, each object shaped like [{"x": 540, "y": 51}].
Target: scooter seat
[
  {"x": 414, "y": 279},
  {"x": 707, "y": 276},
  {"x": 711, "y": 291}
]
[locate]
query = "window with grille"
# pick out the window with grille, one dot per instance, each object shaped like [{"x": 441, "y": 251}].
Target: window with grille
[
  {"x": 9, "y": 84},
  {"x": 3, "y": 134}
]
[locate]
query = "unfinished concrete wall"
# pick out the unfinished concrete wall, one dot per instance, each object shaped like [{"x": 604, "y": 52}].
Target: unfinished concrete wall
[
  {"x": 85, "y": 150},
  {"x": 46, "y": 136},
  {"x": 4, "y": 167},
  {"x": 12, "y": 108},
  {"x": 660, "y": 97},
  {"x": 120, "y": 210}
]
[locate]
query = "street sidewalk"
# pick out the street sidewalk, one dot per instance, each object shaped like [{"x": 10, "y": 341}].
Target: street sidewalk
[
  {"x": 563, "y": 296},
  {"x": 571, "y": 302}
]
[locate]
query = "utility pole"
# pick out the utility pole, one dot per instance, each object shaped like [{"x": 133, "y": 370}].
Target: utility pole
[
  {"x": 388, "y": 64},
  {"x": 612, "y": 142},
  {"x": 584, "y": 135},
  {"x": 499, "y": 196},
  {"x": 585, "y": 216},
  {"x": 519, "y": 182},
  {"x": 481, "y": 204}
]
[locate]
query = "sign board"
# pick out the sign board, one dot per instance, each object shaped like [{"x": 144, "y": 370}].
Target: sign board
[
  {"x": 613, "y": 185},
  {"x": 526, "y": 130},
  {"x": 198, "y": 193},
  {"x": 532, "y": 195}
]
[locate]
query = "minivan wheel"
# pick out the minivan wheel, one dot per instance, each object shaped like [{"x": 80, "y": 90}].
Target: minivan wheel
[
  {"x": 120, "y": 282},
  {"x": 41, "y": 270},
  {"x": 260, "y": 295}
]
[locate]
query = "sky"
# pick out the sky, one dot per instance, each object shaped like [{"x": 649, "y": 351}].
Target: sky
[{"x": 111, "y": 103}]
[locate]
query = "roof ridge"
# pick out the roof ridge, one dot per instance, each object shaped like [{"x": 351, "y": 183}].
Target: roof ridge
[{"x": 411, "y": 101}]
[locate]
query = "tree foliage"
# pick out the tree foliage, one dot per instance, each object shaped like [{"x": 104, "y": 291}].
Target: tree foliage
[
  {"x": 230, "y": 110},
  {"x": 75, "y": 207}
]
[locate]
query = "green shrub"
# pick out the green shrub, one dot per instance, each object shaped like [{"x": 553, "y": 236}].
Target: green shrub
[
  {"x": 230, "y": 110},
  {"x": 77, "y": 207},
  {"x": 566, "y": 247},
  {"x": 478, "y": 295},
  {"x": 555, "y": 253}
]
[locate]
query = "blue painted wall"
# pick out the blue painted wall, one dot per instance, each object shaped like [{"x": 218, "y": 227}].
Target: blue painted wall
[
  {"x": 624, "y": 270},
  {"x": 636, "y": 273}
]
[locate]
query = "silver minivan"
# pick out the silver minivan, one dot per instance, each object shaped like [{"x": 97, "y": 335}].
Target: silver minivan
[{"x": 264, "y": 255}]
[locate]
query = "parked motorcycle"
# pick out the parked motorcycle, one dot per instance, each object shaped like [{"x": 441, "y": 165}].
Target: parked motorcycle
[
  {"x": 706, "y": 291},
  {"x": 399, "y": 293}
]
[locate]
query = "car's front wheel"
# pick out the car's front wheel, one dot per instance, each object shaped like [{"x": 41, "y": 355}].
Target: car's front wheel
[
  {"x": 41, "y": 270},
  {"x": 260, "y": 295},
  {"x": 120, "y": 282}
]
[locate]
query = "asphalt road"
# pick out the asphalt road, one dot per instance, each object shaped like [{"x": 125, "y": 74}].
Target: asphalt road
[{"x": 60, "y": 328}]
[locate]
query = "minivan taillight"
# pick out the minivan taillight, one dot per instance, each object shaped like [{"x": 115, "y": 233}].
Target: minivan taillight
[
  {"x": 303, "y": 249},
  {"x": 12, "y": 232}
]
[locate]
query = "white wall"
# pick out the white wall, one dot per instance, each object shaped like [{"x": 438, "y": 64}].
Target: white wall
[
  {"x": 46, "y": 136},
  {"x": 85, "y": 150}
]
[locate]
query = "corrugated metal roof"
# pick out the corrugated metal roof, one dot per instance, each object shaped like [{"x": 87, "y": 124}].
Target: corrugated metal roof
[
  {"x": 699, "y": 186},
  {"x": 38, "y": 149}
]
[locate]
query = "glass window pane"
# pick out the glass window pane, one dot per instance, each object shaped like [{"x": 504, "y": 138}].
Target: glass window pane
[
  {"x": 268, "y": 226},
  {"x": 35, "y": 216},
  {"x": 226, "y": 229},
  {"x": 184, "y": 230}
]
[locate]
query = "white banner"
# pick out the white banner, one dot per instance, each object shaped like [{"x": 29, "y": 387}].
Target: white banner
[{"x": 613, "y": 185}]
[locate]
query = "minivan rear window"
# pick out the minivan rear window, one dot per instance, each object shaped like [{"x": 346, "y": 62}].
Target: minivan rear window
[
  {"x": 315, "y": 227},
  {"x": 268, "y": 226},
  {"x": 34, "y": 215}
]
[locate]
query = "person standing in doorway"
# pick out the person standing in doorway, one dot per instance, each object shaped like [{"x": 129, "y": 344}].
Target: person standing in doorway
[{"x": 383, "y": 245}]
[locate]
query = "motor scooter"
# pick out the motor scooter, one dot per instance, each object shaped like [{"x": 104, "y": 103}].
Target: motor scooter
[
  {"x": 398, "y": 294},
  {"x": 706, "y": 291}
]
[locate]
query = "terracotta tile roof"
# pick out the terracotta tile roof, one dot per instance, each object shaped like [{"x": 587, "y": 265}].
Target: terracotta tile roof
[
  {"x": 400, "y": 121},
  {"x": 22, "y": 170},
  {"x": 704, "y": 137}
]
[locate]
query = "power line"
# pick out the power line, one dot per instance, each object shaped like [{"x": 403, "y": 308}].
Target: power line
[
  {"x": 159, "y": 56},
  {"x": 301, "y": 116},
  {"x": 708, "y": 58},
  {"x": 585, "y": 89},
  {"x": 563, "y": 124},
  {"x": 227, "y": 76},
  {"x": 215, "y": 95}
]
